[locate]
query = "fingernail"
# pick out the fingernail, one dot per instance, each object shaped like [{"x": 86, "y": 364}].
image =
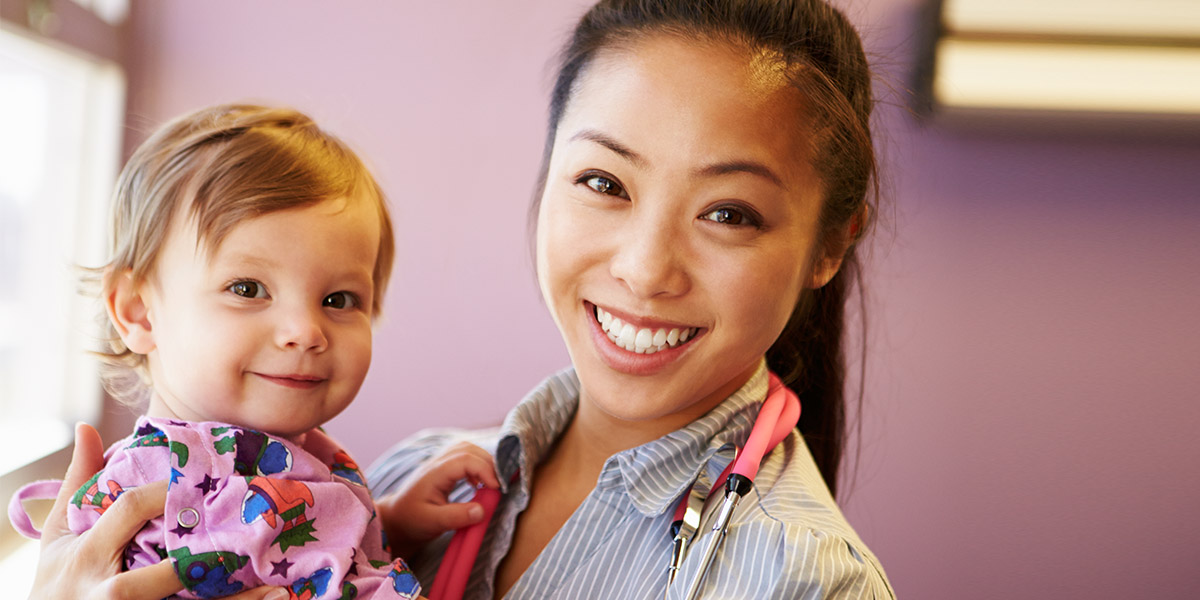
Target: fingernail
[
  {"x": 279, "y": 594},
  {"x": 475, "y": 512}
]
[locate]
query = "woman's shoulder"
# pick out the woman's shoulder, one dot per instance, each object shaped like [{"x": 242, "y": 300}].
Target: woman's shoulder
[
  {"x": 801, "y": 560},
  {"x": 792, "y": 511}
]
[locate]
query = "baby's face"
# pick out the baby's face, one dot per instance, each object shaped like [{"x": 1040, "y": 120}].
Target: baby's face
[{"x": 272, "y": 331}]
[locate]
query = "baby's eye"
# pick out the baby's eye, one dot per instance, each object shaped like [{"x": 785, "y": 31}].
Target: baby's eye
[
  {"x": 248, "y": 289},
  {"x": 340, "y": 300},
  {"x": 603, "y": 185},
  {"x": 727, "y": 216}
]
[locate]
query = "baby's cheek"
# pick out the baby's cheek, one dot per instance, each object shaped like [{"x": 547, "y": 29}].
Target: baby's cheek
[{"x": 358, "y": 355}]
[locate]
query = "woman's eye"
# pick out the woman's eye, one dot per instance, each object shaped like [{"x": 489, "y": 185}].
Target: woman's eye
[
  {"x": 727, "y": 216},
  {"x": 248, "y": 289},
  {"x": 603, "y": 185},
  {"x": 340, "y": 300}
]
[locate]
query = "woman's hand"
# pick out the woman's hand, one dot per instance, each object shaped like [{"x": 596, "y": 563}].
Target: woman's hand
[
  {"x": 422, "y": 510},
  {"x": 87, "y": 566}
]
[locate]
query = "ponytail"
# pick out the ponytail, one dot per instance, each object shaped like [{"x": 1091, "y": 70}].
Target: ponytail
[{"x": 810, "y": 359}]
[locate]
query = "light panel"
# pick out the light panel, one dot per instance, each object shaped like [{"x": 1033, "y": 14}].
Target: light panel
[
  {"x": 984, "y": 74},
  {"x": 1086, "y": 56},
  {"x": 1116, "y": 18}
]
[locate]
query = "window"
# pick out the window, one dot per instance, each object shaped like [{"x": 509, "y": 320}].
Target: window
[{"x": 61, "y": 115}]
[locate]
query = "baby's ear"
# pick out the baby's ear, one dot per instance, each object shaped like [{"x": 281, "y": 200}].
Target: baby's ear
[{"x": 128, "y": 312}]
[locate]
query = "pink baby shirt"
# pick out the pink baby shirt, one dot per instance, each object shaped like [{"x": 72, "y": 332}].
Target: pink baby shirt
[{"x": 245, "y": 509}]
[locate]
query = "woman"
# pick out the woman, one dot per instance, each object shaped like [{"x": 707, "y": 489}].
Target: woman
[{"x": 705, "y": 182}]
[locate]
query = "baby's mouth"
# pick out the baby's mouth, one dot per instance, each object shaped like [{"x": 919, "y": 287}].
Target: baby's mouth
[
  {"x": 642, "y": 340},
  {"x": 292, "y": 380}
]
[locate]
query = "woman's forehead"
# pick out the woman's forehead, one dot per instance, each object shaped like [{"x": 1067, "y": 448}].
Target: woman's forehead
[
  {"x": 681, "y": 98},
  {"x": 701, "y": 61}
]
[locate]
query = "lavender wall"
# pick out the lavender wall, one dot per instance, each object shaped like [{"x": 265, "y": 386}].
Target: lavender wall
[{"x": 1030, "y": 417}]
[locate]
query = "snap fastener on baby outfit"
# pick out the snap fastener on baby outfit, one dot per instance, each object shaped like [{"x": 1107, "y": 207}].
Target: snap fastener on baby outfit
[{"x": 188, "y": 517}]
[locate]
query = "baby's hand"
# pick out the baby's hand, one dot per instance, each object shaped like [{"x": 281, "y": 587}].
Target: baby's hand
[{"x": 422, "y": 511}]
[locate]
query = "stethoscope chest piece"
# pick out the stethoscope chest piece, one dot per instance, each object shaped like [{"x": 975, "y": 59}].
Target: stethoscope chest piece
[{"x": 778, "y": 415}]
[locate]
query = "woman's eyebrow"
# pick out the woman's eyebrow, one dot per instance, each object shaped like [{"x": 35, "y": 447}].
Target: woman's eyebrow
[
  {"x": 740, "y": 166},
  {"x": 713, "y": 170},
  {"x": 611, "y": 143}
]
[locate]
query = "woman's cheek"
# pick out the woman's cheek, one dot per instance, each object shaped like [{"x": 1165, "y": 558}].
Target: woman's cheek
[{"x": 549, "y": 254}]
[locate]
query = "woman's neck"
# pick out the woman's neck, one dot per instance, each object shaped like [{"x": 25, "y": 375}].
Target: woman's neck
[{"x": 593, "y": 435}]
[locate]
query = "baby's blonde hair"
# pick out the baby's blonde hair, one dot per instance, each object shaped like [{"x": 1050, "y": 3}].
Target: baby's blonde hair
[{"x": 220, "y": 166}]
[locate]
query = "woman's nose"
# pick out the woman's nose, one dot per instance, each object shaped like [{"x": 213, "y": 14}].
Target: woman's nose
[
  {"x": 301, "y": 328},
  {"x": 649, "y": 258}
]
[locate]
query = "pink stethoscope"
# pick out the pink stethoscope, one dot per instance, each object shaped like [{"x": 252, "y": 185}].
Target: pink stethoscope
[{"x": 776, "y": 419}]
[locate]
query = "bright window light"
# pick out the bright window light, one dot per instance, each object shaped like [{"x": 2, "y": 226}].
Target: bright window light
[{"x": 61, "y": 115}]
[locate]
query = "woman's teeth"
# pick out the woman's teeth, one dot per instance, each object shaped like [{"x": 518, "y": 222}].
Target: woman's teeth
[{"x": 641, "y": 341}]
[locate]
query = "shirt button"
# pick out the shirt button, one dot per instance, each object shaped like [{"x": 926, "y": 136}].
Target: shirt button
[{"x": 188, "y": 517}]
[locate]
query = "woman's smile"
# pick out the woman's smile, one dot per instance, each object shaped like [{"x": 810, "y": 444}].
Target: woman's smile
[
  {"x": 641, "y": 336},
  {"x": 638, "y": 345}
]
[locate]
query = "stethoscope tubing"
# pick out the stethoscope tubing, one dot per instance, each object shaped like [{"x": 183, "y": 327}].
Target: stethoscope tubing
[
  {"x": 451, "y": 581},
  {"x": 776, "y": 419},
  {"x": 778, "y": 416}
]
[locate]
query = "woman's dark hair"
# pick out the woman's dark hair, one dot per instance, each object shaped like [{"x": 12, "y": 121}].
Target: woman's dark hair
[{"x": 824, "y": 59}]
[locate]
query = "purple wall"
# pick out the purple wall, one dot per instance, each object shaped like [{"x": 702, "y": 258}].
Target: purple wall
[{"x": 1030, "y": 413}]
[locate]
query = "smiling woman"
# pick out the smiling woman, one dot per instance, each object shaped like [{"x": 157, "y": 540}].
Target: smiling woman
[
  {"x": 683, "y": 236},
  {"x": 702, "y": 220}
]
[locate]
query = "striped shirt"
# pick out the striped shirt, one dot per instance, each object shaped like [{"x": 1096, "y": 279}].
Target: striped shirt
[{"x": 787, "y": 538}]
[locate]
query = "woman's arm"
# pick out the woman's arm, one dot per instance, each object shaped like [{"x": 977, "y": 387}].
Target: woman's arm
[{"x": 74, "y": 567}]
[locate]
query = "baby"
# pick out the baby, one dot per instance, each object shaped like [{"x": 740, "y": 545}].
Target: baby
[{"x": 250, "y": 253}]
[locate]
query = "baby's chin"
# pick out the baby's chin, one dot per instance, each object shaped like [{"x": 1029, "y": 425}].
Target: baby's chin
[
  {"x": 290, "y": 433},
  {"x": 293, "y": 432}
]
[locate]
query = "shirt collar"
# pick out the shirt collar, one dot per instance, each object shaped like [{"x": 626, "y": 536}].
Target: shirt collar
[
  {"x": 534, "y": 425},
  {"x": 654, "y": 474}
]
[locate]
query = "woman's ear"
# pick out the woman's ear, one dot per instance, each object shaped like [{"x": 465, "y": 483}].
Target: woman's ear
[
  {"x": 835, "y": 250},
  {"x": 825, "y": 268},
  {"x": 128, "y": 312}
]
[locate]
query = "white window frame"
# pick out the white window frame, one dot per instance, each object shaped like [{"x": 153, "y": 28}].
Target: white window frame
[{"x": 86, "y": 45}]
